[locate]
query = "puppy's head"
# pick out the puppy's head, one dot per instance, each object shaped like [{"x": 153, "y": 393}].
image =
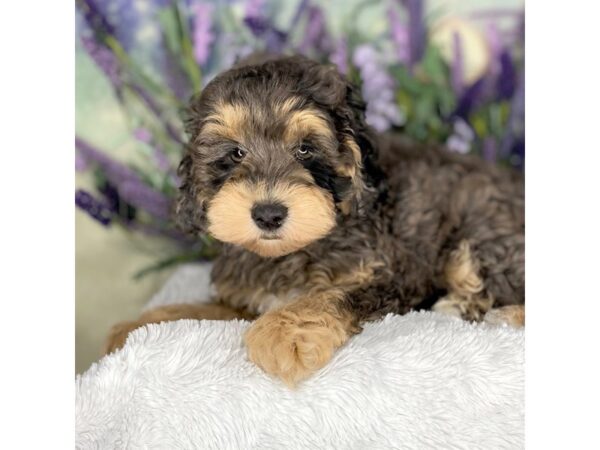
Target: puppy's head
[{"x": 277, "y": 152}]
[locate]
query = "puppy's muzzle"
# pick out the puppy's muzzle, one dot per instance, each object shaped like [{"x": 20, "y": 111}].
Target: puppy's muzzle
[{"x": 269, "y": 216}]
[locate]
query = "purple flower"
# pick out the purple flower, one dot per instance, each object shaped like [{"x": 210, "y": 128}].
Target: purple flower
[
  {"x": 462, "y": 138},
  {"x": 339, "y": 56},
  {"x": 261, "y": 26},
  {"x": 94, "y": 207},
  {"x": 416, "y": 29},
  {"x": 514, "y": 137},
  {"x": 81, "y": 164},
  {"x": 144, "y": 197},
  {"x": 231, "y": 50},
  {"x": 254, "y": 8},
  {"x": 128, "y": 183},
  {"x": 143, "y": 135},
  {"x": 505, "y": 84},
  {"x": 400, "y": 36},
  {"x": 456, "y": 68},
  {"x": 254, "y": 17},
  {"x": 377, "y": 89},
  {"x": 203, "y": 35},
  {"x": 494, "y": 42},
  {"x": 114, "y": 171},
  {"x": 275, "y": 40},
  {"x": 104, "y": 59},
  {"x": 258, "y": 25},
  {"x": 315, "y": 34},
  {"x": 469, "y": 99},
  {"x": 94, "y": 17},
  {"x": 502, "y": 71}
]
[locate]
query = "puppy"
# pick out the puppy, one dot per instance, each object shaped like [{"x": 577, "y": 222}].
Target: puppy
[{"x": 326, "y": 225}]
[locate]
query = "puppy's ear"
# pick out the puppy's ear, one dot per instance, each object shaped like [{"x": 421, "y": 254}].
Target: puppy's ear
[
  {"x": 189, "y": 208},
  {"x": 357, "y": 131},
  {"x": 334, "y": 92}
]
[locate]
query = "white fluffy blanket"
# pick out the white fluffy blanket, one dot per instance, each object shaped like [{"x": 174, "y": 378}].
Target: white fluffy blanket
[{"x": 418, "y": 381}]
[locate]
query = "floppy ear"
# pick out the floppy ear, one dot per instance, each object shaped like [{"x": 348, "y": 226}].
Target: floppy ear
[
  {"x": 359, "y": 134},
  {"x": 189, "y": 208},
  {"x": 334, "y": 92}
]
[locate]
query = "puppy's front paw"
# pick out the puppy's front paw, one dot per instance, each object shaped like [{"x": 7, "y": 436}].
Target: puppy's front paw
[{"x": 292, "y": 344}]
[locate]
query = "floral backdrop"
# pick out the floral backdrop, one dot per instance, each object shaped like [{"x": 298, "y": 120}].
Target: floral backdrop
[{"x": 434, "y": 76}]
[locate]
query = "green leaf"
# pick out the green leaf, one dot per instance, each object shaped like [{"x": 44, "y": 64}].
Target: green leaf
[
  {"x": 434, "y": 66},
  {"x": 168, "y": 23},
  {"x": 177, "y": 36}
]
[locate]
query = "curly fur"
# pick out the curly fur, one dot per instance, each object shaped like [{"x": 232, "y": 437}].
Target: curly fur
[{"x": 411, "y": 225}]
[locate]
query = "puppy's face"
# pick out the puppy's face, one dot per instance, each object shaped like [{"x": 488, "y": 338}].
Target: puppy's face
[{"x": 270, "y": 163}]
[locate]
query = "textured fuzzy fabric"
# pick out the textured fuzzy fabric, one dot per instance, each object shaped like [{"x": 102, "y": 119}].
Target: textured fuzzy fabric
[{"x": 417, "y": 381}]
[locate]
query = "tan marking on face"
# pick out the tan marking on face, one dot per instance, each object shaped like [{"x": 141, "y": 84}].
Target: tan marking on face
[
  {"x": 294, "y": 341},
  {"x": 311, "y": 215},
  {"x": 227, "y": 121},
  {"x": 351, "y": 170},
  {"x": 284, "y": 108},
  {"x": 304, "y": 122}
]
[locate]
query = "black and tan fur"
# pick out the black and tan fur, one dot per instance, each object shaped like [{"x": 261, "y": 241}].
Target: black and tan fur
[{"x": 375, "y": 225}]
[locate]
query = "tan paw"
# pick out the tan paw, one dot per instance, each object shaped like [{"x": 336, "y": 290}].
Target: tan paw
[
  {"x": 293, "y": 344},
  {"x": 513, "y": 315},
  {"x": 118, "y": 335}
]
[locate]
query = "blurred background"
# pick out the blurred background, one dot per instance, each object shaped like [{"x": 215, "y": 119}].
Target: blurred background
[{"x": 448, "y": 71}]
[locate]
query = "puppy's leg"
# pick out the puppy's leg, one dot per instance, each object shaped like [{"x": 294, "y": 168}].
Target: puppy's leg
[
  {"x": 513, "y": 315},
  {"x": 294, "y": 341},
  {"x": 466, "y": 295},
  {"x": 118, "y": 334},
  {"x": 469, "y": 296}
]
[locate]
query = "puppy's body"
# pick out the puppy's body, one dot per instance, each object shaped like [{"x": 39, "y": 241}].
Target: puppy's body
[
  {"x": 396, "y": 253},
  {"x": 325, "y": 225}
]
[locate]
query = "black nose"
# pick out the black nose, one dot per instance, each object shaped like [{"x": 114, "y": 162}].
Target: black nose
[{"x": 269, "y": 216}]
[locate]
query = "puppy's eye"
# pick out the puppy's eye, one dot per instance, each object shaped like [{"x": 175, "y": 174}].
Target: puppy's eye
[
  {"x": 305, "y": 151},
  {"x": 237, "y": 154}
]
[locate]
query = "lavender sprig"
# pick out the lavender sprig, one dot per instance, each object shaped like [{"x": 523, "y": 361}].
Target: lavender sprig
[
  {"x": 400, "y": 36},
  {"x": 377, "y": 89},
  {"x": 142, "y": 196},
  {"x": 114, "y": 171},
  {"x": 95, "y": 18},
  {"x": 506, "y": 81},
  {"x": 416, "y": 29},
  {"x": 128, "y": 183},
  {"x": 339, "y": 56},
  {"x": 104, "y": 59},
  {"x": 457, "y": 70},
  {"x": 94, "y": 207},
  {"x": 261, "y": 26},
  {"x": 203, "y": 37},
  {"x": 315, "y": 34}
]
